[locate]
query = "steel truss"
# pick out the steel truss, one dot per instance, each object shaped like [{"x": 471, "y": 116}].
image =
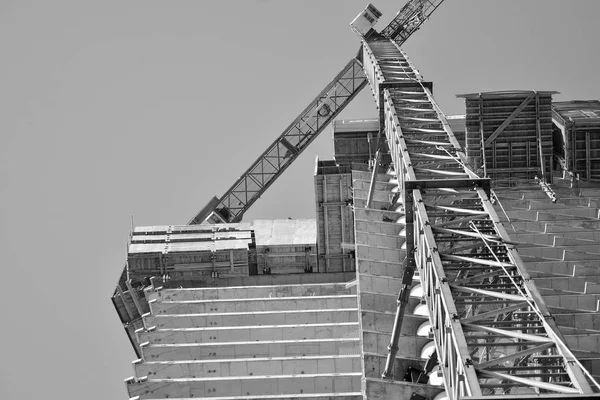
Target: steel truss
[
  {"x": 492, "y": 330},
  {"x": 409, "y": 19},
  {"x": 286, "y": 148}
]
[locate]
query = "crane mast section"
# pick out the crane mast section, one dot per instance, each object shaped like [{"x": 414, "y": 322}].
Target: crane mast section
[
  {"x": 287, "y": 147},
  {"x": 488, "y": 318}
]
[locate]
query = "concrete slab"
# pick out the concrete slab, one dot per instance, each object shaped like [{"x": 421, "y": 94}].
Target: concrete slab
[
  {"x": 246, "y": 386},
  {"x": 246, "y": 292},
  {"x": 249, "y": 366},
  {"x": 250, "y": 305},
  {"x": 247, "y": 349},
  {"x": 249, "y": 333},
  {"x": 256, "y": 280},
  {"x": 288, "y": 317}
]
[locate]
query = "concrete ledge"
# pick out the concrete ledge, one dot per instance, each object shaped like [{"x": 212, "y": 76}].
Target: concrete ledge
[
  {"x": 311, "y": 396},
  {"x": 246, "y": 349},
  {"x": 288, "y": 317},
  {"x": 246, "y": 292},
  {"x": 250, "y": 366},
  {"x": 259, "y": 280},
  {"x": 250, "y": 333},
  {"x": 252, "y": 304},
  {"x": 246, "y": 386}
]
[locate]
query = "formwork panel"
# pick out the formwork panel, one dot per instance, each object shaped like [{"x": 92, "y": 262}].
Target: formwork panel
[
  {"x": 354, "y": 140},
  {"x": 515, "y": 129},
  {"x": 335, "y": 221},
  {"x": 577, "y": 138},
  {"x": 286, "y": 246},
  {"x": 181, "y": 252}
]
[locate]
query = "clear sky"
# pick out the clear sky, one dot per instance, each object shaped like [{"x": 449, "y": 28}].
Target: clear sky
[{"x": 149, "y": 108}]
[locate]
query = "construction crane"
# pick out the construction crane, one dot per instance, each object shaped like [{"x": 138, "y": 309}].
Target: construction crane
[
  {"x": 475, "y": 285},
  {"x": 312, "y": 120},
  {"x": 492, "y": 331},
  {"x": 493, "y": 334}
]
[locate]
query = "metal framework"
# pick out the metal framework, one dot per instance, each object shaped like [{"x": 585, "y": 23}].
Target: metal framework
[
  {"x": 492, "y": 330},
  {"x": 286, "y": 148},
  {"x": 409, "y": 19},
  {"x": 307, "y": 126}
]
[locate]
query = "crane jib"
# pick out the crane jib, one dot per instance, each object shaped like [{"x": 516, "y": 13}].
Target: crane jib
[{"x": 287, "y": 147}]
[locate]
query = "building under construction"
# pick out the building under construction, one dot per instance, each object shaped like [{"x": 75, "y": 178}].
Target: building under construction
[{"x": 450, "y": 257}]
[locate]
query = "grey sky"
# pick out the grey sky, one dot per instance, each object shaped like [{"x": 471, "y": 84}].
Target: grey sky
[{"x": 111, "y": 108}]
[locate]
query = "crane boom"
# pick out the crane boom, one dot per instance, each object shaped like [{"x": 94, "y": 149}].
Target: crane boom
[
  {"x": 312, "y": 121},
  {"x": 409, "y": 19},
  {"x": 491, "y": 327},
  {"x": 287, "y": 147}
]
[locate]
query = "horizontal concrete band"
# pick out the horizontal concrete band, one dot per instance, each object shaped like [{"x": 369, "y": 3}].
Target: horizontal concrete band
[
  {"x": 249, "y": 342},
  {"x": 244, "y": 292},
  {"x": 252, "y": 305},
  {"x": 251, "y": 359},
  {"x": 254, "y": 299},
  {"x": 280, "y": 348},
  {"x": 311, "y": 396},
  {"x": 271, "y": 366},
  {"x": 286, "y": 317},
  {"x": 250, "y": 377},
  {"x": 248, "y": 386},
  {"x": 250, "y": 333}
]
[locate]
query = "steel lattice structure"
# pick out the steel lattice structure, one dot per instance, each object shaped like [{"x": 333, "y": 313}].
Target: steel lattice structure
[
  {"x": 409, "y": 19},
  {"x": 308, "y": 125},
  {"x": 287, "y": 147},
  {"x": 492, "y": 330}
]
